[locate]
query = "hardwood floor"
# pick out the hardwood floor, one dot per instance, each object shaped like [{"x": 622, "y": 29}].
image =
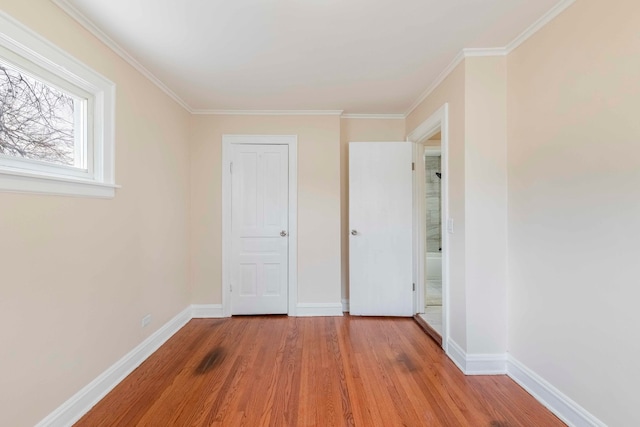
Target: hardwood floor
[
  {"x": 428, "y": 329},
  {"x": 331, "y": 371}
]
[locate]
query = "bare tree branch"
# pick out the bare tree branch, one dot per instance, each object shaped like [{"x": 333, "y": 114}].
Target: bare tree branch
[{"x": 36, "y": 120}]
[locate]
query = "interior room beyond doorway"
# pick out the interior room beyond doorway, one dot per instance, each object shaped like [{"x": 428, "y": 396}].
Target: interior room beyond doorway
[{"x": 433, "y": 232}]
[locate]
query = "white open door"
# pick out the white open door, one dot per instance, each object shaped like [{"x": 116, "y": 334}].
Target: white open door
[
  {"x": 381, "y": 228},
  {"x": 259, "y": 229}
]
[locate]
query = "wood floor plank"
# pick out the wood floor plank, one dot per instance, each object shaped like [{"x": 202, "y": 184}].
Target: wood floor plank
[{"x": 333, "y": 371}]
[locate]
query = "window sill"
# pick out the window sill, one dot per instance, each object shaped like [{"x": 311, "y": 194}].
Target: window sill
[{"x": 22, "y": 182}]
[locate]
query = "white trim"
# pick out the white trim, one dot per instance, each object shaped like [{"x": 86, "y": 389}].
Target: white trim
[
  {"x": 85, "y": 22},
  {"x": 292, "y": 142},
  {"x": 14, "y": 182},
  {"x": 539, "y": 24},
  {"x": 319, "y": 309},
  {"x": 441, "y": 77},
  {"x": 491, "y": 51},
  {"x": 439, "y": 120},
  {"x": 467, "y": 52},
  {"x": 345, "y": 305},
  {"x": 419, "y": 234},
  {"x": 37, "y": 56},
  {"x": 268, "y": 112},
  {"x": 480, "y": 364},
  {"x": 486, "y": 364},
  {"x": 477, "y": 364},
  {"x": 456, "y": 354},
  {"x": 432, "y": 151},
  {"x": 557, "y": 402},
  {"x": 206, "y": 311},
  {"x": 544, "y": 392},
  {"x": 475, "y": 52},
  {"x": 374, "y": 116},
  {"x": 464, "y": 53},
  {"x": 81, "y": 402}
]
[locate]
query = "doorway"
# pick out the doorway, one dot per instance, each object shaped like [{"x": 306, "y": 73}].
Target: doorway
[
  {"x": 259, "y": 224},
  {"x": 432, "y": 163},
  {"x": 431, "y": 225}
]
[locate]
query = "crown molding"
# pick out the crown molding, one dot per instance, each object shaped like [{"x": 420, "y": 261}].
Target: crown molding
[
  {"x": 374, "y": 116},
  {"x": 443, "y": 75},
  {"x": 492, "y": 51},
  {"x": 539, "y": 24},
  {"x": 475, "y": 52},
  {"x": 267, "y": 112},
  {"x": 464, "y": 53},
  {"x": 111, "y": 44}
]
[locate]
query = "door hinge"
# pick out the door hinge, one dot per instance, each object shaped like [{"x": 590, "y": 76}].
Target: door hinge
[
  {"x": 413, "y": 166},
  {"x": 231, "y": 167},
  {"x": 414, "y": 287},
  {"x": 230, "y": 288}
]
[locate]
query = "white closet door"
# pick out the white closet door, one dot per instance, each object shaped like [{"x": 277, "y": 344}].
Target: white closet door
[{"x": 259, "y": 229}]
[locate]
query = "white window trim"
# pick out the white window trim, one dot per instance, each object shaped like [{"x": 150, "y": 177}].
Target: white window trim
[{"x": 27, "y": 44}]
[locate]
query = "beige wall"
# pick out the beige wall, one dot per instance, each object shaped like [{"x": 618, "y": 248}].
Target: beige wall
[
  {"x": 318, "y": 201},
  {"x": 359, "y": 130},
  {"x": 486, "y": 204},
  {"x": 78, "y": 274},
  {"x": 574, "y": 206},
  {"x": 476, "y": 94},
  {"x": 568, "y": 99},
  {"x": 452, "y": 91}
]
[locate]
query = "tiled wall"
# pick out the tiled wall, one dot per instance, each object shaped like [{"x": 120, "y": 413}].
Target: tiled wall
[{"x": 434, "y": 239}]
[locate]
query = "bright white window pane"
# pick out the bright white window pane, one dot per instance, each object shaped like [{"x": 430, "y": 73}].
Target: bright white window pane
[{"x": 38, "y": 121}]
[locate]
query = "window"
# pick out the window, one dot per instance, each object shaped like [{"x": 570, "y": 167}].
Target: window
[{"x": 56, "y": 119}]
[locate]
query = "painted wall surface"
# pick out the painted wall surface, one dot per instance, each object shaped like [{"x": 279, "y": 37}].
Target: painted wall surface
[
  {"x": 452, "y": 91},
  {"x": 359, "y": 130},
  {"x": 318, "y": 201},
  {"x": 486, "y": 204},
  {"x": 78, "y": 274},
  {"x": 574, "y": 206}
]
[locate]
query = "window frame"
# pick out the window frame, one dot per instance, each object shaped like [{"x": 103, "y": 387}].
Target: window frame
[{"x": 27, "y": 51}]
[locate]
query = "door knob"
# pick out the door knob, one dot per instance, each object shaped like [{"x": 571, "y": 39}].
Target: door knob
[
  {"x": 283, "y": 233},
  {"x": 354, "y": 232}
]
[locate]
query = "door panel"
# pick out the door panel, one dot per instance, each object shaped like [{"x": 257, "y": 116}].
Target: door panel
[
  {"x": 259, "y": 213},
  {"x": 381, "y": 215}
]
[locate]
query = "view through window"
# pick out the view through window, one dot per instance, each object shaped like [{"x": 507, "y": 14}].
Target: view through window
[{"x": 38, "y": 121}]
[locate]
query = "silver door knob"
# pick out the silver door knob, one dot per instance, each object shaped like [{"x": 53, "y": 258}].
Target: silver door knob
[
  {"x": 354, "y": 232},
  {"x": 283, "y": 233}
]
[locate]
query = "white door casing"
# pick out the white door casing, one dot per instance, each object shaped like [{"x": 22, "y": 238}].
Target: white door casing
[
  {"x": 381, "y": 228},
  {"x": 437, "y": 122},
  {"x": 259, "y": 203}
]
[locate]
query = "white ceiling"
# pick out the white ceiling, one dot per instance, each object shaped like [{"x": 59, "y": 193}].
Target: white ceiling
[{"x": 361, "y": 56}]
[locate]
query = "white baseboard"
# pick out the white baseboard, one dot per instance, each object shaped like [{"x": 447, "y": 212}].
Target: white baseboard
[
  {"x": 81, "y": 402},
  {"x": 206, "y": 311},
  {"x": 486, "y": 364},
  {"x": 457, "y": 355},
  {"x": 345, "y": 305},
  {"x": 477, "y": 364},
  {"x": 470, "y": 364},
  {"x": 318, "y": 309},
  {"x": 553, "y": 399},
  {"x": 557, "y": 402}
]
